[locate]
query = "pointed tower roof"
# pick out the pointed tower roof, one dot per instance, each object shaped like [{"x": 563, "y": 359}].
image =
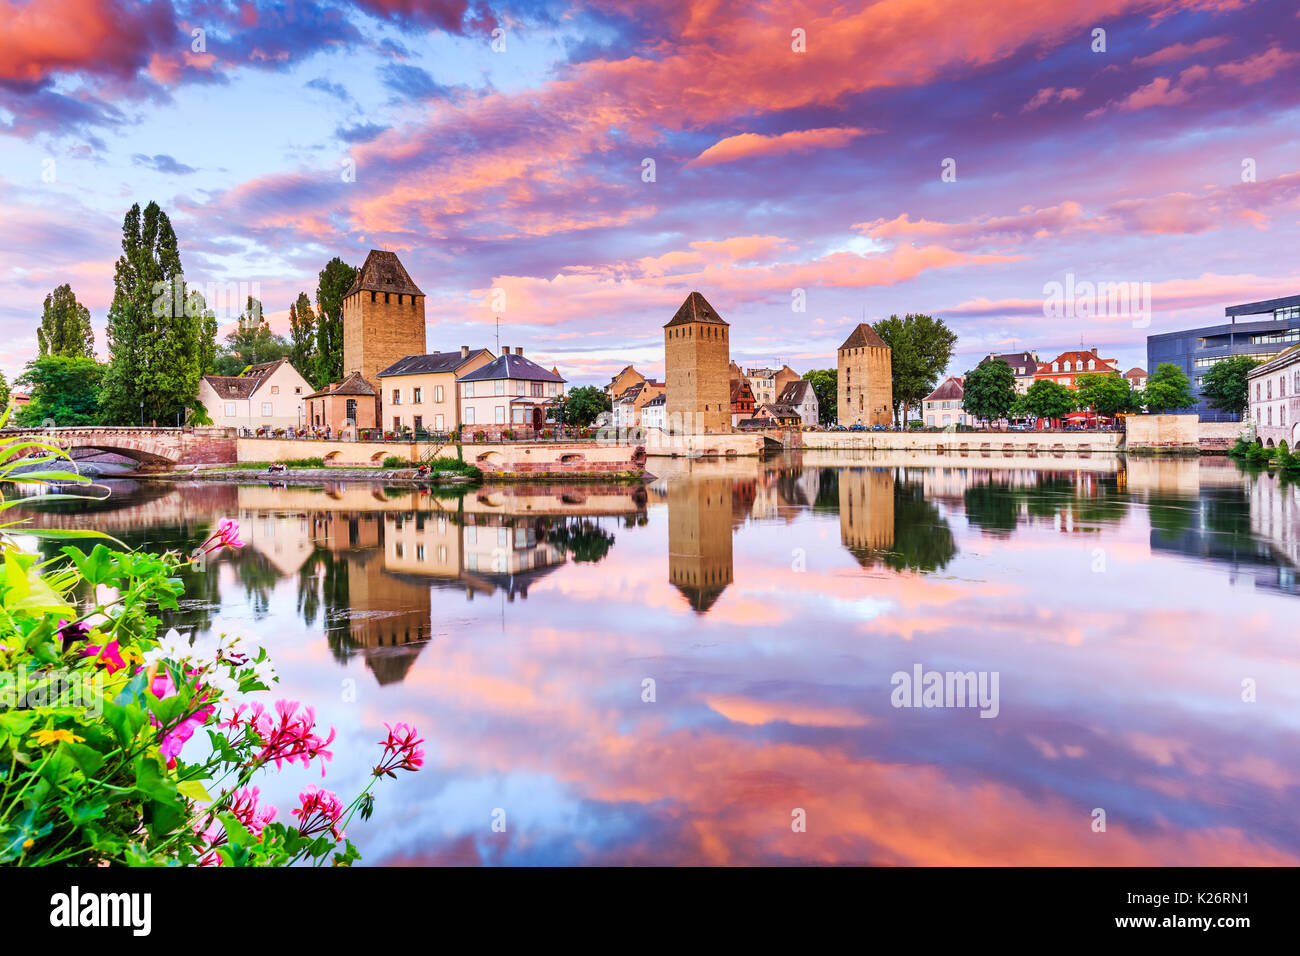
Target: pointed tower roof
[
  {"x": 383, "y": 272},
  {"x": 696, "y": 309},
  {"x": 864, "y": 336}
]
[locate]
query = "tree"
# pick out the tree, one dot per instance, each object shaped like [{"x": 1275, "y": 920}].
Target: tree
[
  {"x": 65, "y": 326},
  {"x": 920, "y": 347},
  {"x": 1048, "y": 399},
  {"x": 581, "y": 406},
  {"x": 335, "y": 280},
  {"x": 4, "y": 393},
  {"x": 989, "y": 390},
  {"x": 252, "y": 342},
  {"x": 64, "y": 390},
  {"x": 1106, "y": 393},
  {"x": 302, "y": 335},
  {"x": 1224, "y": 385},
  {"x": 1168, "y": 389},
  {"x": 153, "y": 338},
  {"x": 825, "y": 385}
]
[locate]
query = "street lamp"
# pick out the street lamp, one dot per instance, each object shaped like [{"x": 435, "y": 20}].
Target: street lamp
[{"x": 142, "y": 413}]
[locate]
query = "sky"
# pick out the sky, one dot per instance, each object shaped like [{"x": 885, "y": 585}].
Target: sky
[{"x": 572, "y": 171}]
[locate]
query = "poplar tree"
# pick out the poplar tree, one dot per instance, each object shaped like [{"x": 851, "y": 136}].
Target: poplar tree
[
  {"x": 153, "y": 338},
  {"x": 335, "y": 280},
  {"x": 65, "y": 326},
  {"x": 302, "y": 336}
]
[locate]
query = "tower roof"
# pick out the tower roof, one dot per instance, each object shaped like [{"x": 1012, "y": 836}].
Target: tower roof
[
  {"x": 383, "y": 272},
  {"x": 696, "y": 309},
  {"x": 864, "y": 335}
]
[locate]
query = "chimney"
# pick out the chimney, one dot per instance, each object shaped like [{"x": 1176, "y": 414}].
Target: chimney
[
  {"x": 464, "y": 351},
  {"x": 519, "y": 350},
  {"x": 505, "y": 350}
]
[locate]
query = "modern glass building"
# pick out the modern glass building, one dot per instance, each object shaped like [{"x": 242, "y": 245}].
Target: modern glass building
[{"x": 1257, "y": 329}]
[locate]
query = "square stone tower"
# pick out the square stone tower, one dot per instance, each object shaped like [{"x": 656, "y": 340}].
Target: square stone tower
[
  {"x": 697, "y": 362},
  {"x": 383, "y": 318},
  {"x": 865, "y": 383}
]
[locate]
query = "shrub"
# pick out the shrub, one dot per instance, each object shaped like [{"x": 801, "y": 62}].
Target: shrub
[
  {"x": 508, "y": 434},
  {"x": 98, "y": 711},
  {"x": 1240, "y": 449},
  {"x": 454, "y": 436},
  {"x": 392, "y": 461},
  {"x": 305, "y": 462},
  {"x": 480, "y": 435}
]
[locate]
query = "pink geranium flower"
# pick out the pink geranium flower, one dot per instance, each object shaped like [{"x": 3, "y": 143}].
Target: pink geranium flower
[
  {"x": 401, "y": 750},
  {"x": 320, "y": 810},
  {"x": 111, "y": 655}
]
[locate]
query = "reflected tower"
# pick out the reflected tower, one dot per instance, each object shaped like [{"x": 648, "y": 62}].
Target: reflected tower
[
  {"x": 866, "y": 511},
  {"x": 699, "y": 538}
]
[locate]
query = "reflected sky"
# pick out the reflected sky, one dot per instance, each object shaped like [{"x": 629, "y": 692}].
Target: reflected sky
[{"x": 1122, "y": 605}]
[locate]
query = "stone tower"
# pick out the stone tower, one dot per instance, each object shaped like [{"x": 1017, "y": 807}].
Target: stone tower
[
  {"x": 697, "y": 362},
  {"x": 383, "y": 318},
  {"x": 865, "y": 386}
]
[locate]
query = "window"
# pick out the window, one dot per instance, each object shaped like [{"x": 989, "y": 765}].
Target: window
[
  {"x": 230, "y": 409},
  {"x": 468, "y": 390},
  {"x": 1281, "y": 415},
  {"x": 537, "y": 389},
  {"x": 275, "y": 389},
  {"x": 297, "y": 389},
  {"x": 437, "y": 393},
  {"x": 417, "y": 396},
  {"x": 500, "y": 386},
  {"x": 1270, "y": 414},
  {"x": 520, "y": 415},
  {"x": 438, "y": 423},
  {"x": 397, "y": 423},
  {"x": 501, "y": 414},
  {"x": 1275, "y": 338},
  {"x": 419, "y": 423},
  {"x": 469, "y": 414},
  {"x": 266, "y": 408},
  {"x": 397, "y": 393}
]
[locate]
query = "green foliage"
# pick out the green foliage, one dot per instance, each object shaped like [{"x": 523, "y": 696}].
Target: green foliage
[
  {"x": 302, "y": 336},
  {"x": 453, "y": 466},
  {"x": 64, "y": 389},
  {"x": 825, "y": 385},
  {"x": 989, "y": 390},
  {"x": 921, "y": 347},
  {"x": 251, "y": 343},
  {"x": 1168, "y": 390},
  {"x": 335, "y": 280},
  {"x": 583, "y": 539},
  {"x": 1048, "y": 399},
  {"x": 392, "y": 461},
  {"x": 4, "y": 390},
  {"x": 65, "y": 326},
  {"x": 1224, "y": 385},
  {"x": 304, "y": 462},
  {"x": 1106, "y": 393},
  {"x": 582, "y": 404},
  {"x": 154, "y": 332}
]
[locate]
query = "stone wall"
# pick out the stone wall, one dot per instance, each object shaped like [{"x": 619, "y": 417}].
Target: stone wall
[
  {"x": 1018, "y": 442},
  {"x": 697, "y": 372},
  {"x": 864, "y": 389},
  {"x": 661, "y": 444}
]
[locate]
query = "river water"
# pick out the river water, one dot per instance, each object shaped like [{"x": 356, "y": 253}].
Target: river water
[{"x": 712, "y": 667}]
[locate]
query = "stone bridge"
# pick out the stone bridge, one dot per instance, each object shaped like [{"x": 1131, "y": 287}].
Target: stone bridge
[{"x": 155, "y": 448}]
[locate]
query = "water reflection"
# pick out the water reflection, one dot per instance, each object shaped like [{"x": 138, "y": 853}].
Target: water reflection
[{"x": 1123, "y": 603}]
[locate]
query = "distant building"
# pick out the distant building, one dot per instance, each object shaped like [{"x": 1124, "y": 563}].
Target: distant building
[
  {"x": 510, "y": 392},
  {"x": 1136, "y": 377},
  {"x": 1024, "y": 366},
  {"x": 697, "y": 360},
  {"x": 625, "y": 407},
  {"x": 800, "y": 396},
  {"x": 351, "y": 402},
  {"x": 865, "y": 387},
  {"x": 652, "y": 413},
  {"x": 269, "y": 395},
  {"x": 1258, "y": 329},
  {"x": 943, "y": 406},
  {"x": 767, "y": 383},
  {"x": 1273, "y": 390},
  {"x": 383, "y": 319},
  {"x": 1067, "y": 366},
  {"x": 422, "y": 392},
  {"x": 742, "y": 400},
  {"x": 781, "y": 415},
  {"x": 624, "y": 380}
]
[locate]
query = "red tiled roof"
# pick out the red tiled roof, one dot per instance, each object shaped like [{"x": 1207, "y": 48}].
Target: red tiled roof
[{"x": 864, "y": 336}]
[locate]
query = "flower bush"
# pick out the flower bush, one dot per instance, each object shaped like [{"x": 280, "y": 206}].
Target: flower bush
[{"x": 99, "y": 717}]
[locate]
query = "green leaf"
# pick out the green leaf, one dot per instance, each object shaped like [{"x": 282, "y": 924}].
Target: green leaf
[
  {"x": 88, "y": 758},
  {"x": 66, "y": 534},
  {"x": 193, "y": 789},
  {"x": 236, "y": 833}
]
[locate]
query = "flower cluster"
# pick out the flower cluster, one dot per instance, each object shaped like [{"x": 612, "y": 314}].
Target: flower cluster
[
  {"x": 292, "y": 738},
  {"x": 318, "y": 811},
  {"x": 401, "y": 750}
]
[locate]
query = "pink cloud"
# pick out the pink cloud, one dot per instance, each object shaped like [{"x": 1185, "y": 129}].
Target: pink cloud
[{"x": 747, "y": 145}]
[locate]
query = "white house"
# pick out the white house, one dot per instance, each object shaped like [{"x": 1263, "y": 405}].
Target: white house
[
  {"x": 943, "y": 406},
  {"x": 653, "y": 413},
  {"x": 510, "y": 392},
  {"x": 1274, "y": 393},
  {"x": 270, "y": 394}
]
